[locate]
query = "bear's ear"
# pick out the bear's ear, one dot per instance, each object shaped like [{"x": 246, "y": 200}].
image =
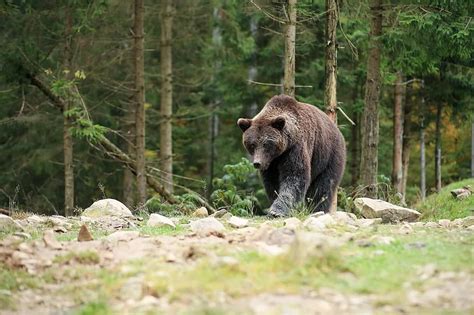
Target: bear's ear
[
  {"x": 278, "y": 123},
  {"x": 244, "y": 123}
]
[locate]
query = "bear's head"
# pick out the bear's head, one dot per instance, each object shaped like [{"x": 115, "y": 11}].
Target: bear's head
[{"x": 264, "y": 139}]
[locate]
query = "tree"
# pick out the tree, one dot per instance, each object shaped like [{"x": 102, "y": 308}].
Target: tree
[
  {"x": 67, "y": 125},
  {"x": 439, "y": 110},
  {"x": 330, "y": 99},
  {"x": 138, "y": 36},
  {"x": 166, "y": 106},
  {"x": 290, "y": 39},
  {"x": 422, "y": 145},
  {"x": 370, "y": 116},
  {"x": 397, "y": 170}
]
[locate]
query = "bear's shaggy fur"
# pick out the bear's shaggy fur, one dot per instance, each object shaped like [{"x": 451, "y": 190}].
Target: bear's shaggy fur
[{"x": 299, "y": 152}]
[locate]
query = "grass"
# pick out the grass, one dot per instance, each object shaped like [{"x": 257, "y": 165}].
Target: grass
[
  {"x": 12, "y": 280},
  {"x": 443, "y": 205},
  {"x": 87, "y": 257}
]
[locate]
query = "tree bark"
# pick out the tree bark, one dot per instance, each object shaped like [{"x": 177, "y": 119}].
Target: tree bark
[
  {"x": 330, "y": 99},
  {"x": 407, "y": 142},
  {"x": 439, "y": 113},
  {"x": 138, "y": 49},
  {"x": 128, "y": 187},
  {"x": 397, "y": 170},
  {"x": 67, "y": 124},
  {"x": 370, "y": 116},
  {"x": 422, "y": 147},
  {"x": 166, "y": 107},
  {"x": 290, "y": 39},
  {"x": 355, "y": 139}
]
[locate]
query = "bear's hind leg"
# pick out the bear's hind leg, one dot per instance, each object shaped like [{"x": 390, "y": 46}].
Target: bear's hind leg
[{"x": 321, "y": 192}]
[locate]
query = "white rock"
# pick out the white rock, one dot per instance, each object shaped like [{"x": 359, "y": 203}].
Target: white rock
[
  {"x": 417, "y": 224},
  {"x": 292, "y": 223},
  {"x": 35, "y": 219},
  {"x": 319, "y": 223},
  {"x": 107, "y": 207},
  {"x": 368, "y": 222},
  {"x": 123, "y": 236},
  {"x": 206, "y": 226},
  {"x": 468, "y": 221},
  {"x": 444, "y": 223},
  {"x": 237, "y": 222},
  {"x": 158, "y": 220},
  {"x": 201, "y": 212},
  {"x": 317, "y": 214},
  {"x": 431, "y": 225},
  {"x": 343, "y": 217},
  {"x": 375, "y": 208},
  {"x": 50, "y": 240},
  {"x": 8, "y": 224}
]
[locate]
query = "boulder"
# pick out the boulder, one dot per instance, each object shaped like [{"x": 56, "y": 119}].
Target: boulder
[
  {"x": 389, "y": 213},
  {"x": 107, "y": 207},
  {"x": 8, "y": 224},
  {"x": 201, "y": 212},
  {"x": 237, "y": 222},
  {"x": 123, "y": 236},
  {"x": 206, "y": 226},
  {"x": 292, "y": 223},
  {"x": 319, "y": 223},
  {"x": 158, "y": 220}
]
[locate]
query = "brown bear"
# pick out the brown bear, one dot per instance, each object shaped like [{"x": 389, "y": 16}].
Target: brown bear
[{"x": 299, "y": 152}]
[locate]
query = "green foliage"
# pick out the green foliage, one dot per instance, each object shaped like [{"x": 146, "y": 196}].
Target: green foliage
[
  {"x": 186, "y": 204},
  {"x": 238, "y": 190},
  {"x": 443, "y": 205}
]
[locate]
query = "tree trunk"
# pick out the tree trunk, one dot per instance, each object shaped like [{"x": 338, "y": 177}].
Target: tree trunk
[
  {"x": 370, "y": 116},
  {"x": 406, "y": 143},
  {"x": 67, "y": 124},
  {"x": 252, "y": 75},
  {"x": 330, "y": 99},
  {"x": 355, "y": 139},
  {"x": 138, "y": 49},
  {"x": 290, "y": 38},
  {"x": 439, "y": 109},
  {"x": 398, "y": 133},
  {"x": 422, "y": 147},
  {"x": 166, "y": 108},
  {"x": 128, "y": 188}
]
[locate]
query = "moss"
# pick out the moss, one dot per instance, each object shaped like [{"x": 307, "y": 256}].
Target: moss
[{"x": 87, "y": 257}]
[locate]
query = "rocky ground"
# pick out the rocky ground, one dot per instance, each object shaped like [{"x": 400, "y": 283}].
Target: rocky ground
[{"x": 221, "y": 264}]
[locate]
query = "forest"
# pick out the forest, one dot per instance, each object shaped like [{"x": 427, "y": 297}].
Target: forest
[{"x": 138, "y": 100}]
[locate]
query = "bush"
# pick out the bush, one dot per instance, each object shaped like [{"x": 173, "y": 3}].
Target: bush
[{"x": 239, "y": 190}]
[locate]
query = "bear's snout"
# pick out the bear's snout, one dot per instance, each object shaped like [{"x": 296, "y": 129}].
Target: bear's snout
[{"x": 257, "y": 165}]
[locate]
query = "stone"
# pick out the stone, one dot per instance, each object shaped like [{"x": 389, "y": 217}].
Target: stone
[
  {"x": 84, "y": 234},
  {"x": 390, "y": 213},
  {"x": 405, "y": 229},
  {"x": 201, "y": 212},
  {"x": 206, "y": 226},
  {"x": 237, "y": 222},
  {"x": 317, "y": 214},
  {"x": 50, "y": 240},
  {"x": 219, "y": 213},
  {"x": 107, "y": 207},
  {"x": 319, "y": 223},
  {"x": 123, "y": 236},
  {"x": 8, "y": 224},
  {"x": 417, "y": 224},
  {"x": 292, "y": 223},
  {"x": 468, "y": 221},
  {"x": 383, "y": 240},
  {"x": 431, "y": 225},
  {"x": 35, "y": 219},
  {"x": 368, "y": 222},
  {"x": 445, "y": 223},
  {"x": 345, "y": 218},
  {"x": 23, "y": 235},
  {"x": 158, "y": 220}
]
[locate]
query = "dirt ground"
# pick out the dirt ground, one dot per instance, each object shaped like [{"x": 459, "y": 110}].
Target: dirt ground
[{"x": 264, "y": 267}]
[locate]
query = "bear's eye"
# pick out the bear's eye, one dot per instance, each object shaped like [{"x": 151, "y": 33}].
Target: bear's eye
[
  {"x": 269, "y": 144},
  {"x": 250, "y": 147}
]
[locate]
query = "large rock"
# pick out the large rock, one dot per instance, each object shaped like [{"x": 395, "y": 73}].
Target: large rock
[
  {"x": 8, "y": 224},
  {"x": 237, "y": 222},
  {"x": 389, "y": 213},
  {"x": 207, "y": 226},
  {"x": 320, "y": 222},
  {"x": 107, "y": 207},
  {"x": 158, "y": 220}
]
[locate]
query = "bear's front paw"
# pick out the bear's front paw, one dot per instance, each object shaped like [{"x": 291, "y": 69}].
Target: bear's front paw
[{"x": 277, "y": 211}]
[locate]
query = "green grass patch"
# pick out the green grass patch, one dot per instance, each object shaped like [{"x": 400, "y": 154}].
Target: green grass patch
[
  {"x": 12, "y": 280},
  {"x": 94, "y": 308},
  {"x": 443, "y": 205},
  {"x": 162, "y": 230},
  {"x": 87, "y": 257}
]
